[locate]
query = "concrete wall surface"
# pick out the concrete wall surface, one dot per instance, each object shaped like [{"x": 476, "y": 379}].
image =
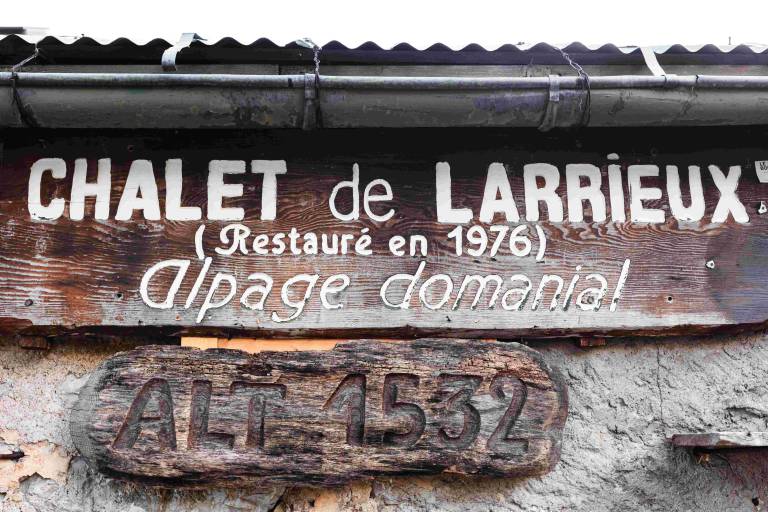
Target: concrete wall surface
[{"x": 626, "y": 398}]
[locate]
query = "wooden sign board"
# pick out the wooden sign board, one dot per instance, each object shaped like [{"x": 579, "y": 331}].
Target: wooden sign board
[
  {"x": 384, "y": 233},
  {"x": 175, "y": 416}
]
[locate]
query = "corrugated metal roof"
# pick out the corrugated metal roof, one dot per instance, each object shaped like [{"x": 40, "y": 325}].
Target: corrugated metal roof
[{"x": 86, "y": 50}]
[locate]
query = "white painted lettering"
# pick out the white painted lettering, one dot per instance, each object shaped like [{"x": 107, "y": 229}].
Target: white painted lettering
[
  {"x": 173, "y": 187},
  {"x": 637, "y": 194},
  {"x": 353, "y": 185},
  {"x": 729, "y": 202},
  {"x": 167, "y": 303},
  {"x": 329, "y": 288},
  {"x": 140, "y": 193},
  {"x": 297, "y": 306},
  {"x": 497, "y": 197},
  {"x": 695, "y": 211},
  {"x": 446, "y": 213},
  {"x": 240, "y": 234},
  {"x": 257, "y": 288},
  {"x": 369, "y": 197},
  {"x": 446, "y": 292},
  {"x": 55, "y": 208},
  {"x": 578, "y": 194},
  {"x": 218, "y": 190},
  {"x": 208, "y": 303},
  {"x": 405, "y": 303},
  {"x": 270, "y": 169},
  {"x": 546, "y": 194},
  {"x": 616, "y": 190},
  {"x": 81, "y": 189}
]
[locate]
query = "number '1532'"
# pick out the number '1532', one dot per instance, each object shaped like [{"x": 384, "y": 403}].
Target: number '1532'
[{"x": 349, "y": 401}]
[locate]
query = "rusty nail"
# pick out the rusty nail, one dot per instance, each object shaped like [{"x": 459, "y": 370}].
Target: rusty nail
[
  {"x": 33, "y": 342},
  {"x": 589, "y": 341},
  {"x": 10, "y": 452}
]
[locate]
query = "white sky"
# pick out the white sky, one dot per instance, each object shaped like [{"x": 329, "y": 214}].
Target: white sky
[{"x": 421, "y": 23}]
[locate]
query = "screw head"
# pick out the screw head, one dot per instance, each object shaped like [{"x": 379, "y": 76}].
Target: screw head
[{"x": 711, "y": 264}]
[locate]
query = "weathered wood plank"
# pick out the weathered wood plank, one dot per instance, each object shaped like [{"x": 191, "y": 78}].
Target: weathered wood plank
[
  {"x": 663, "y": 274},
  {"x": 721, "y": 440},
  {"x": 174, "y": 416}
]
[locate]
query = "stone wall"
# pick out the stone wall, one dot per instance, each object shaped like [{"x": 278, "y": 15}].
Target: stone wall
[{"x": 625, "y": 399}]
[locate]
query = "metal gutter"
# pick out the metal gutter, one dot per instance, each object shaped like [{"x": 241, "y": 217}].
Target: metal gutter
[
  {"x": 378, "y": 82},
  {"x": 148, "y": 100}
]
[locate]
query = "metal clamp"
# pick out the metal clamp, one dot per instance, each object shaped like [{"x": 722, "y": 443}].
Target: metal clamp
[
  {"x": 312, "y": 115},
  {"x": 553, "y": 102},
  {"x": 311, "y": 104},
  {"x": 671, "y": 81},
  {"x": 649, "y": 55},
  {"x": 168, "y": 60}
]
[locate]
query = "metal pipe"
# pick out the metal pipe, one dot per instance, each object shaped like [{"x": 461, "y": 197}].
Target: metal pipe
[
  {"x": 378, "y": 82},
  {"x": 152, "y": 80},
  {"x": 176, "y": 100}
]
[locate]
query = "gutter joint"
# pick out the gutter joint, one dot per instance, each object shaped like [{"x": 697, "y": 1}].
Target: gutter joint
[
  {"x": 311, "y": 118},
  {"x": 549, "y": 119}
]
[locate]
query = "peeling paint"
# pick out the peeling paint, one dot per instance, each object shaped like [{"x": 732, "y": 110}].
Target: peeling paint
[{"x": 41, "y": 458}]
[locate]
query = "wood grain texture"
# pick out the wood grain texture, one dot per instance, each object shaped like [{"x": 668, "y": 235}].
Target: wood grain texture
[
  {"x": 175, "y": 416},
  {"x": 83, "y": 276}
]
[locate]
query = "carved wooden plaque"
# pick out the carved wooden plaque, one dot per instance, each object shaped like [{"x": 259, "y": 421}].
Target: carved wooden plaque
[
  {"x": 384, "y": 233},
  {"x": 175, "y": 416}
]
